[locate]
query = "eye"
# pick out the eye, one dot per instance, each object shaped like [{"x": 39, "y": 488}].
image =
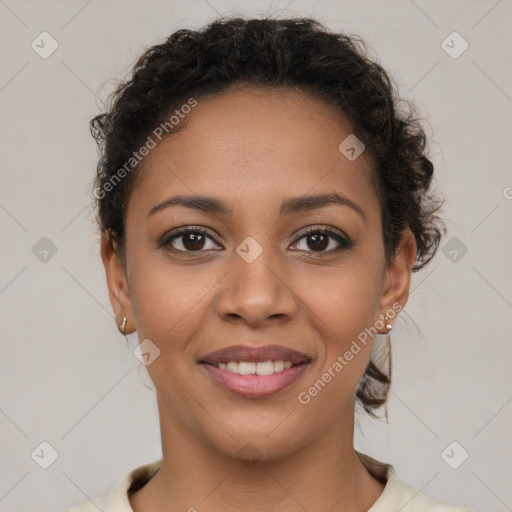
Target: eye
[
  {"x": 322, "y": 241},
  {"x": 188, "y": 240}
]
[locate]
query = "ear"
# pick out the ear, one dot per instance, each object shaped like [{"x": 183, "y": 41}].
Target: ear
[
  {"x": 117, "y": 282},
  {"x": 398, "y": 275}
]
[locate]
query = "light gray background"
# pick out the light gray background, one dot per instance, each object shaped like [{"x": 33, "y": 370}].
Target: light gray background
[{"x": 67, "y": 375}]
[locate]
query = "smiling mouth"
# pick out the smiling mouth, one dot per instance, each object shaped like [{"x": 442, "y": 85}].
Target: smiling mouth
[
  {"x": 251, "y": 379},
  {"x": 257, "y": 367}
]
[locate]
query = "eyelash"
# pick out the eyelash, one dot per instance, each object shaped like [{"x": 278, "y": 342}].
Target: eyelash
[{"x": 165, "y": 242}]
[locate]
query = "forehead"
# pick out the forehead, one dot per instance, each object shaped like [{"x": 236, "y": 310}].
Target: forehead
[{"x": 249, "y": 146}]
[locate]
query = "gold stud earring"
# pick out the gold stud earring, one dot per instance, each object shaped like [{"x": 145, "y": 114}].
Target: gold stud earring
[{"x": 122, "y": 326}]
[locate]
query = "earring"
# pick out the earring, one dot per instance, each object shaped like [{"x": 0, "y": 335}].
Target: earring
[
  {"x": 388, "y": 340},
  {"x": 122, "y": 326}
]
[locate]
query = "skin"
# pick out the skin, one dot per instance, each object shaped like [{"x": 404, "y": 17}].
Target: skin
[{"x": 253, "y": 148}]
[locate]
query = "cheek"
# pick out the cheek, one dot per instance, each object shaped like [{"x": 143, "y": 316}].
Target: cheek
[
  {"x": 168, "y": 302},
  {"x": 343, "y": 306},
  {"x": 345, "y": 299}
]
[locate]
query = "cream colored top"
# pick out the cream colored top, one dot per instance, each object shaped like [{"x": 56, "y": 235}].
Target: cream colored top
[{"x": 396, "y": 497}]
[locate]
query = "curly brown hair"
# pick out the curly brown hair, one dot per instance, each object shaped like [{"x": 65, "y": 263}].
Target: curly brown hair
[{"x": 279, "y": 53}]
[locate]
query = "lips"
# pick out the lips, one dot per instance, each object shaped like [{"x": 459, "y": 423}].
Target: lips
[
  {"x": 255, "y": 354},
  {"x": 238, "y": 369},
  {"x": 255, "y": 386}
]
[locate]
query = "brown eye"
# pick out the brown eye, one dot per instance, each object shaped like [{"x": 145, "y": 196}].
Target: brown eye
[
  {"x": 193, "y": 241},
  {"x": 188, "y": 241},
  {"x": 323, "y": 241},
  {"x": 318, "y": 241}
]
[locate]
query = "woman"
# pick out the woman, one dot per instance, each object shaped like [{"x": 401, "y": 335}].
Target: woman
[{"x": 262, "y": 203}]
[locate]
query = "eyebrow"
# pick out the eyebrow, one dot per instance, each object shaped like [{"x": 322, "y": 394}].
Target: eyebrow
[{"x": 289, "y": 206}]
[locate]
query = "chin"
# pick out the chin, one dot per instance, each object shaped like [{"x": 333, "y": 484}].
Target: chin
[{"x": 257, "y": 445}]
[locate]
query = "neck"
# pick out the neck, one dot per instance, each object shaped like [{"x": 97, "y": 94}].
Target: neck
[{"x": 326, "y": 474}]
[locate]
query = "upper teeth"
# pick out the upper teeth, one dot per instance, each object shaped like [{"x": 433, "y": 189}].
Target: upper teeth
[{"x": 254, "y": 368}]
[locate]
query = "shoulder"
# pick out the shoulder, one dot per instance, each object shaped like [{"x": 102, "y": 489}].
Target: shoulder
[
  {"x": 117, "y": 499},
  {"x": 397, "y": 495}
]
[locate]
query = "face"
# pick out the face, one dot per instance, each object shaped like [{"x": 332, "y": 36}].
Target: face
[{"x": 256, "y": 265}]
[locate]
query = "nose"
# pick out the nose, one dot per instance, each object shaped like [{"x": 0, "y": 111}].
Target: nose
[{"x": 259, "y": 293}]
